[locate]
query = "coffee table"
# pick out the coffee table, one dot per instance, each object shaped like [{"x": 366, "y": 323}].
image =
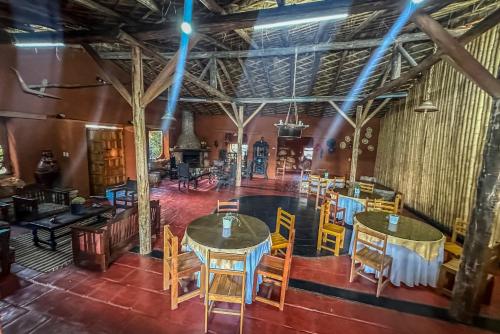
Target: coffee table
[{"x": 64, "y": 220}]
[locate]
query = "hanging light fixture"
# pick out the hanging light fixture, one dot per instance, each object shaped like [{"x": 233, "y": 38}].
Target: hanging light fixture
[
  {"x": 287, "y": 128},
  {"x": 428, "y": 105}
]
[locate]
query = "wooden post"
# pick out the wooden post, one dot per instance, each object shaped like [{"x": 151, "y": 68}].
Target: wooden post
[
  {"x": 472, "y": 274},
  {"x": 355, "y": 144},
  {"x": 239, "y": 156},
  {"x": 140, "y": 152}
]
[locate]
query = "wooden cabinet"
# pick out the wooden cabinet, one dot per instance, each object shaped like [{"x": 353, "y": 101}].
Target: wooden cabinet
[{"x": 106, "y": 159}]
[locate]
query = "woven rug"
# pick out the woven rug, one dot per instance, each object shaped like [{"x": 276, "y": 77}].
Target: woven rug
[{"x": 41, "y": 258}]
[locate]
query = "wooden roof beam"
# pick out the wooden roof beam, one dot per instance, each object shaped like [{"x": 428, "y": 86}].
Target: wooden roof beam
[
  {"x": 150, "y": 4},
  {"x": 93, "y": 5},
  {"x": 108, "y": 74},
  {"x": 486, "y": 24},
  {"x": 463, "y": 61},
  {"x": 248, "y": 76}
]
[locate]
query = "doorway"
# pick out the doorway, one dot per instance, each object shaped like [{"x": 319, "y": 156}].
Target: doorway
[
  {"x": 293, "y": 151},
  {"x": 106, "y": 159}
]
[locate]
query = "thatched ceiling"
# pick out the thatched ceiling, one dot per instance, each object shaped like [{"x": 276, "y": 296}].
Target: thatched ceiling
[{"x": 322, "y": 73}]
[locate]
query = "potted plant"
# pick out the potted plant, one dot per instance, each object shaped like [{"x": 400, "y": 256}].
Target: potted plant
[{"x": 77, "y": 205}]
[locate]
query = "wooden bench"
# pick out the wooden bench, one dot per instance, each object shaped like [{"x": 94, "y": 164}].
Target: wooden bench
[{"x": 98, "y": 247}]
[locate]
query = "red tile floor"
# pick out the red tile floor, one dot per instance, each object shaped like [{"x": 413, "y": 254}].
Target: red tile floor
[{"x": 128, "y": 298}]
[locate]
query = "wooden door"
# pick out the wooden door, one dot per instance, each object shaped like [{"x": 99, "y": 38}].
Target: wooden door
[{"x": 106, "y": 159}]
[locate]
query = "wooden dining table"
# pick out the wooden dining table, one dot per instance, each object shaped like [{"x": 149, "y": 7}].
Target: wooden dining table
[
  {"x": 248, "y": 235},
  {"x": 417, "y": 248}
]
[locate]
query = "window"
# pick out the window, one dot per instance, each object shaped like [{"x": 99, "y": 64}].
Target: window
[
  {"x": 155, "y": 141},
  {"x": 233, "y": 148},
  {"x": 4, "y": 150}
]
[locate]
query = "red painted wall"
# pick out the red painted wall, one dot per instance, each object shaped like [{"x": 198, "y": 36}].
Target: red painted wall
[
  {"x": 214, "y": 128},
  {"x": 102, "y": 105}
]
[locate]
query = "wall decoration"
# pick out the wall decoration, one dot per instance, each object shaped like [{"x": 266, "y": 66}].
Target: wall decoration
[
  {"x": 368, "y": 135},
  {"x": 347, "y": 139},
  {"x": 342, "y": 145},
  {"x": 360, "y": 151},
  {"x": 371, "y": 148},
  {"x": 364, "y": 141},
  {"x": 331, "y": 144},
  {"x": 368, "y": 129}
]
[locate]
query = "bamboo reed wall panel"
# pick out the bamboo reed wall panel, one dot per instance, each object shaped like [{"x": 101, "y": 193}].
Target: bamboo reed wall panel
[{"x": 434, "y": 158}]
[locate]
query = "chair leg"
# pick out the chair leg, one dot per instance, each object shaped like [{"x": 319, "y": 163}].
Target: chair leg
[
  {"x": 242, "y": 309},
  {"x": 353, "y": 267},
  {"x": 202, "y": 281},
  {"x": 254, "y": 290},
  {"x": 337, "y": 246},
  {"x": 206, "y": 314},
  {"x": 318, "y": 243},
  {"x": 282, "y": 294},
  {"x": 174, "y": 294}
]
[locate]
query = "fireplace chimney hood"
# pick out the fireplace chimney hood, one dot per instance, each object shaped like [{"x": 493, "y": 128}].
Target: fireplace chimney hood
[{"x": 187, "y": 139}]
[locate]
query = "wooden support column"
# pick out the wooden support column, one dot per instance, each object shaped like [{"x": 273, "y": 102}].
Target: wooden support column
[
  {"x": 471, "y": 277},
  {"x": 239, "y": 156},
  {"x": 140, "y": 151},
  {"x": 355, "y": 144}
]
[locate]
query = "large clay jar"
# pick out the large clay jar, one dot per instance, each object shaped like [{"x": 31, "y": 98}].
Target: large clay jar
[{"x": 47, "y": 170}]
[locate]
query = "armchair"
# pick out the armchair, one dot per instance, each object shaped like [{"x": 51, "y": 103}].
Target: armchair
[
  {"x": 123, "y": 195},
  {"x": 35, "y": 203}
]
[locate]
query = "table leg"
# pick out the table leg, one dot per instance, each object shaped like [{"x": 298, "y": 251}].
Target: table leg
[
  {"x": 53, "y": 244},
  {"x": 35, "y": 236}
]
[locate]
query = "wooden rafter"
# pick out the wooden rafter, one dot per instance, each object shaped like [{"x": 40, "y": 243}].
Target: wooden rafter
[
  {"x": 93, "y": 5},
  {"x": 150, "y": 4},
  {"x": 227, "y": 76},
  {"x": 463, "y": 61},
  {"x": 269, "y": 52},
  {"x": 108, "y": 73},
  {"x": 476, "y": 31},
  {"x": 352, "y": 35},
  {"x": 248, "y": 76}
]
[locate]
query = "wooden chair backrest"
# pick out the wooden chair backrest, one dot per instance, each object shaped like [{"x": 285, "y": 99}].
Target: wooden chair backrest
[
  {"x": 314, "y": 180},
  {"x": 286, "y": 220},
  {"x": 459, "y": 228},
  {"x": 399, "y": 199},
  {"x": 228, "y": 206},
  {"x": 366, "y": 187},
  {"x": 170, "y": 250},
  {"x": 324, "y": 214},
  {"x": 339, "y": 179},
  {"x": 123, "y": 227},
  {"x": 231, "y": 257},
  {"x": 379, "y": 245},
  {"x": 382, "y": 206}
]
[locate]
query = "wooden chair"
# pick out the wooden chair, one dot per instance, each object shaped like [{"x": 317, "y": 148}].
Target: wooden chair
[
  {"x": 176, "y": 266},
  {"x": 286, "y": 221},
  {"x": 366, "y": 187},
  {"x": 321, "y": 191},
  {"x": 227, "y": 286},
  {"x": 276, "y": 271},
  {"x": 339, "y": 180},
  {"x": 313, "y": 184},
  {"x": 453, "y": 247},
  {"x": 332, "y": 198},
  {"x": 329, "y": 232},
  {"x": 400, "y": 200},
  {"x": 371, "y": 254},
  {"x": 228, "y": 206},
  {"x": 449, "y": 271},
  {"x": 383, "y": 206}
]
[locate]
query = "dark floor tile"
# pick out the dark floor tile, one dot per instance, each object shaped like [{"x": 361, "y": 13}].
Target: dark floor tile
[
  {"x": 26, "y": 295},
  {"x": 26, "y": 323}
]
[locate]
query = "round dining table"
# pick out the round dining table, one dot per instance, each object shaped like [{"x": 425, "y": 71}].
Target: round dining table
[
  {"x": 416, "y": 248},
  {"x": 353, "y": 203},
  {"x": 248, "y": 235}
]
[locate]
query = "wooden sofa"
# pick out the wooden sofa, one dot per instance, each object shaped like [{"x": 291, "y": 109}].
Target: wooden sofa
[
  {"x": 97, "y": 247},
  {"x": 7, "y": 253},
  {"x": 35, "y": 203}
]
